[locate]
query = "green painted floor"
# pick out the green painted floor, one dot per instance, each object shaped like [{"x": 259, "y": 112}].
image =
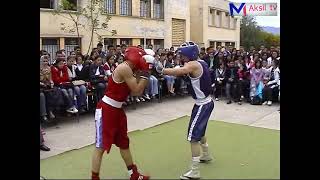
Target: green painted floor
[{"x": 241, "y": 152}]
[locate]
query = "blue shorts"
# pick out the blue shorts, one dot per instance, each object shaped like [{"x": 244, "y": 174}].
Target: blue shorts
[{"x": 199, "y": 120}]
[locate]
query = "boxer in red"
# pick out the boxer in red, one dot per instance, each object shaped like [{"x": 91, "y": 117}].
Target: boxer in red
[{"x": 110, "y": 118}]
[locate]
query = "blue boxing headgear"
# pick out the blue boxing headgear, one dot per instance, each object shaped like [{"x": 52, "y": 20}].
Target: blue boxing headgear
[{"x": 189, "y": 49}]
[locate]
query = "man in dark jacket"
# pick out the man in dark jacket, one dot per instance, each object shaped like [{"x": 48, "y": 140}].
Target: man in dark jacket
[{"x": 232, "y": 78}]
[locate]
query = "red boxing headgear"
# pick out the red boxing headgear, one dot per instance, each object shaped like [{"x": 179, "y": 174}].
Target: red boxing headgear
[{"x": 134, "y": 55}]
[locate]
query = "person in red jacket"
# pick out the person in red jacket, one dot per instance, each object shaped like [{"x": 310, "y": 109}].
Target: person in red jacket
[{"x": 61, "y": 79}]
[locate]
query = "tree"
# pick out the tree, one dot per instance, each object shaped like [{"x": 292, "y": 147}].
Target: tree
[
  {"x": 88, "y": 18},
  {"x": 252, "y": 35},
  {"x": 64, "y": 9}
]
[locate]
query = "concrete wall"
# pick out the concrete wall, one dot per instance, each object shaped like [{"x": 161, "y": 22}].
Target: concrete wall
[
  {"x": 126, "y": 26},
  {"x": 202, "y": 32},
  {"x": 179, "y": 9}
]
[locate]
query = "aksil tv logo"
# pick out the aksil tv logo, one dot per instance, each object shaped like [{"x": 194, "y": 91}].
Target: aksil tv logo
[{"x": 253, "y": 9}]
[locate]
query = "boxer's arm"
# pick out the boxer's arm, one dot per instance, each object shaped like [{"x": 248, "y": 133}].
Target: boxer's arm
[
  {"x": 136, "y": 87},
  {"x": 186, "y": 69}
]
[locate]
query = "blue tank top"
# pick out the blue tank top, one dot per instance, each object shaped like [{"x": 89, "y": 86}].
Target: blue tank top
[{"x": 200, "y": 87}]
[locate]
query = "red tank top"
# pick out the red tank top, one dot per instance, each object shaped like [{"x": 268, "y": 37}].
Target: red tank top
[{"x": 117, "y": 91}]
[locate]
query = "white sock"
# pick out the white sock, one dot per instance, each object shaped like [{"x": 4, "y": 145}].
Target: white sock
[
  {"x": 130, "y": 172},
  {"x": 205, "y": 147},
  {"x": 196, "y": 159},
  {"x": 195, "y": 163}
]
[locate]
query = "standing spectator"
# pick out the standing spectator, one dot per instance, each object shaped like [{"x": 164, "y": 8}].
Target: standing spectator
[
  {"x": 274, "y": 56},
  {"x": 170, "y": 56},
  {"x": 102, "y": 54},
  {"x": 43, "y": 147},
  {"x": 220, "y": 80},
  {"x": 98, "y": 77},
  {"x": 232, "y": 82},
  {"x": 169, "y": 79},
  {"x": 111, "y": 50},
  {"x": 77, "y": 49},
  {"x": 256, "y": 82},
  {"x": 79, "y": 88},
  {"x": 172, "y": 49},
  {"x": 123, "y": 48},
  {"x": 261, "y": 49},
  {"x": 249, "y": 64},
  {"x": 272, "y": 86},
  {"x": 150, "y": 46},
  {"x": 118, "y": 50},
  {"x": 61, "y": 79},
  {"x": 244, "y": 82}
]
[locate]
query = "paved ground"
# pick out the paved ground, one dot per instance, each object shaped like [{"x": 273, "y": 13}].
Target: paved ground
[{"x": 70, "y": 134}]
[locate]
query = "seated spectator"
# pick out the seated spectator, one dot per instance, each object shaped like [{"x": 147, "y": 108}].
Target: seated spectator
[
  {"x": 232, "y": 79},
  {"x": 79, "y": 87},
  {"x": 110, "y": 65},
  {"x": 220, "y": 80},
  {"x": 169, "y": 79},
  {"x": 249, "y": 64},
  {"x": 111, "y": 50},
  {"x": 61, "y": 80},
  {"x": 172, "y": 49},
  {"x": 98, "y": 78},
  {"x": 119, "y": 59},
  {"x": 180, "y": 86},
  {"x": 152, "y": 89},
  {"x": 46, "y": 85},
  {"x": 82, "y": 70},
  {"x": 256, "y": 83},
  {"x": 272, "y": 85}
]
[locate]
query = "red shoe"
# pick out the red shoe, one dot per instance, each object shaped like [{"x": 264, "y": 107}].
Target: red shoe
[{"x": 136, "y": 175}]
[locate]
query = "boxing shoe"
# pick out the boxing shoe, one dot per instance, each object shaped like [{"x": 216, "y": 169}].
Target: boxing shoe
[{"x": 135, "y": 175}]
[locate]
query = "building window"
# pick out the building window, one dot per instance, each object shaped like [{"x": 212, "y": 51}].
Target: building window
[
  {"x": 158, "y": 43},
  {"x": 48, "y": 4},
  {"x": 142, "y": 42},
  {"x": 70, "y": 44},
  {"x": 110, "y": 6},
  {"x": 228, "y": 44},
  {"x": 126, "y": 41},
  {"x": 211, "y": 17},
  {"x": 51, "y": 45},
  {"x": 227, "y": 20},
  {"x": 217, "y": 18},
  {"x": 178, "y": 32},
  {"x": 125, "y": 7},
  {"x": 70, "y": 5},
  {"x": 158, "y": 9},
  {"x": 109, "y": 41},
  {"x": 145, "y": 8}
]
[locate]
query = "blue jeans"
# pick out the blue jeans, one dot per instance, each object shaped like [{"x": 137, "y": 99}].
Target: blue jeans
[
  {"x": 69, "y": 96},
  {"x": 169, "y": 79},
  {"x": 100, "y": 88},
  {"x": 153, "y": 85},
  {"x": 81, "y": 93},
  {"x": 43, "y": 109}
]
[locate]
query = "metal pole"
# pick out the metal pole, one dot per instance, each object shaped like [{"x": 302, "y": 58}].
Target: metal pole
[{"x": 145, "y": 28}]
